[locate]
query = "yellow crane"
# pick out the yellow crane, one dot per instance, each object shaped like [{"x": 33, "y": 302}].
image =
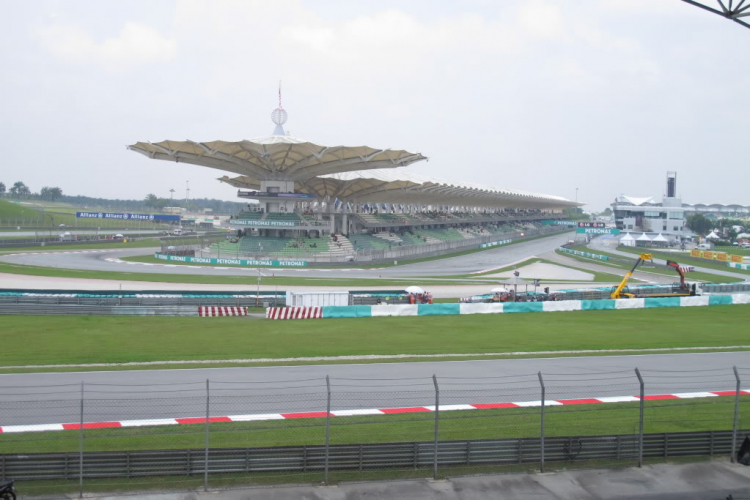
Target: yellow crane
[{"x": 617, "y": 292}]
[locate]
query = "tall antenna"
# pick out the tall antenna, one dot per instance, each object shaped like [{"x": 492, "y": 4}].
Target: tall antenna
[{"x": 279, "y": 116}]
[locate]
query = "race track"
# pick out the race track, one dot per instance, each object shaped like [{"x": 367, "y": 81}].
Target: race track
[
  {"x": 96, "y": 260},
  {"x": 36, "y": 398}
]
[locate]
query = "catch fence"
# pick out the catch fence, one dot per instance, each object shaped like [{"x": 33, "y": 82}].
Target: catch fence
[{"x": 100, "y": 437}]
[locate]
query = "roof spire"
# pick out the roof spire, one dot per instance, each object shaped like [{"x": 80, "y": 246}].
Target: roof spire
[{"x": 279, "y": 116}]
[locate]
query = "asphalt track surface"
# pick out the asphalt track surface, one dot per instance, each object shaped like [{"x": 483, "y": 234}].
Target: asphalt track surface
[
  {"x": 464, "y": 264},
  {"x": 37, "y": 398}
]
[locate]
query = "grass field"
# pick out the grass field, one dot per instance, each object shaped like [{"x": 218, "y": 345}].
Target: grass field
[
  {"x": 41, "y": 340},
  {"x": 694, "y": 276},
  {"x": 52, "y": 215},
  {"x": 734, "y": 250},
  {"x": 10, "y": 210}
]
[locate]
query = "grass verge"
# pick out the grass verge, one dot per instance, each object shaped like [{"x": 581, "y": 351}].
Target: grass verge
[{"x": 50, "y": 340}]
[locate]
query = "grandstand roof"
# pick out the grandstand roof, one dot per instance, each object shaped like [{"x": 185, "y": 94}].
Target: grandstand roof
[
  {"x": 391, "y": 186},
  {"x": 276, "y": 157},
  {"x": 358, "y": 174}
]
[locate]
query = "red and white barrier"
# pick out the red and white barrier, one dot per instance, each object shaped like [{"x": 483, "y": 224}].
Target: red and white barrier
[
  {"x": 294, "y": 312},
  {"x": 213, "y": 311}
]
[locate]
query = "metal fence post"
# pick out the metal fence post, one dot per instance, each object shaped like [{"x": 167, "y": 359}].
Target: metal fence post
[
  {"x": 736, "y": 422},
  {"x": 641, "y": 404},
  {"x": 541, "y": 431},
  {"x": 437, "y": 428},
  {"x": 80, "y": 450},
  {"x": 328, "y": 426},
  {"x": 205, "y": 456}
]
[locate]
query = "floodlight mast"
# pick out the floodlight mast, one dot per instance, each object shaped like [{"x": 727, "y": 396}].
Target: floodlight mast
[{"x": 728, "y": 9}]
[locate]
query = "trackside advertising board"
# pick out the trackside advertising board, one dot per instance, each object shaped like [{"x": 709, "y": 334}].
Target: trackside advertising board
[
  {"x": 263, "y": 223},
  {"x": 721, "y": 256},
  {"x": 232, "y": 262},
  {"x": 494, "y": 243},
  {"x": 119, "y": 216},
  {"x": 598, "y": 230},
  {"x": 583, "y": 254},
  {"x": 558, "y": 223}
]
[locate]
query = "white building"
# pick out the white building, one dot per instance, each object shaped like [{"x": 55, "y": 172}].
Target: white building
[{"x": 650, "y": 216}]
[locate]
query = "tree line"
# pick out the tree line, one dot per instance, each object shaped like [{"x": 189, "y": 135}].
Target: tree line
[
  {"x": 725, "y": 227},
  {"x": 21, "y": 190}
]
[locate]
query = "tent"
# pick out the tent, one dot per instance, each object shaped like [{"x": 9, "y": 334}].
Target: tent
[
  {"x": 660, "y": 239},
  {"x": 712, "y": 236},
  {"x": 644, "y": 237},
  {"x": 627, "y": 240}
]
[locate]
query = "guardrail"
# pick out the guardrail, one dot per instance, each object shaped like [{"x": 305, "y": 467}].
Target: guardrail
[
  {"x": 362, "y": 457},
  {"x": 725, "y": 287},
  {"x": 143, "y": 301}
]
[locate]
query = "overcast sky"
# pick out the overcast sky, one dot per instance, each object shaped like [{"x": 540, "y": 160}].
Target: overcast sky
[{"x": 545, "y": 96}]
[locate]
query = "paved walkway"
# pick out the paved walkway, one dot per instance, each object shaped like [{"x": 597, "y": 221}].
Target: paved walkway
[{"x": 702, "y": 481}]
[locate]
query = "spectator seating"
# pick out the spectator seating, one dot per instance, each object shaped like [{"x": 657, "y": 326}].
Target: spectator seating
[
  {"x": 263, "y": 244},
  {"x": 365, "y": 242},
  {"x": 283, "y": 216},
  {"x": 251, "y": 215},
  {"x": 226, "y": 246}
]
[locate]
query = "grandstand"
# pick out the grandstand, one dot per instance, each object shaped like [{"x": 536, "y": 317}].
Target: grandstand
[{"x": 324, "y": 202}]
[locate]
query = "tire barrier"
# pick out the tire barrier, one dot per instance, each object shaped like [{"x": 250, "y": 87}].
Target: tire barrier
[{"x": 215, "y": 311}]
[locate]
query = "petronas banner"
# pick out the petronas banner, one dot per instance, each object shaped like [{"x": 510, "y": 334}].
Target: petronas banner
[
  {"x": 598, "y": 230},
  {"x": 232, "y": 262}
]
